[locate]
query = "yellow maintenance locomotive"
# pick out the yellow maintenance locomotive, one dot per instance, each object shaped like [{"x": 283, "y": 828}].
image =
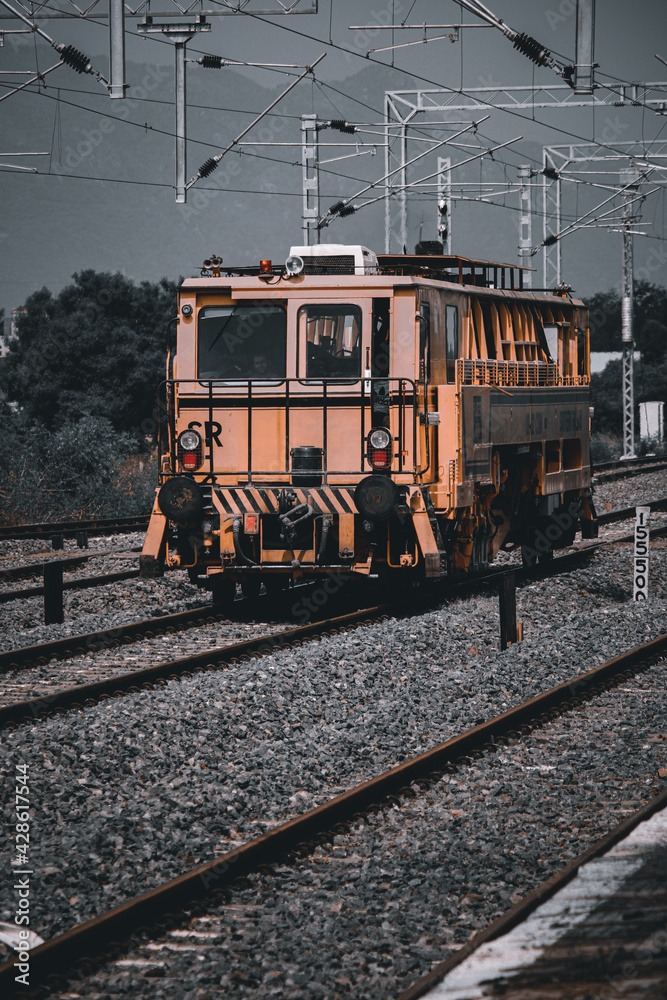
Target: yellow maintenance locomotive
[{"x": 382, "y": 416}]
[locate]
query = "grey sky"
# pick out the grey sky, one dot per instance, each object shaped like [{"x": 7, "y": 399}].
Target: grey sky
[{"x": 55, "y": 225}]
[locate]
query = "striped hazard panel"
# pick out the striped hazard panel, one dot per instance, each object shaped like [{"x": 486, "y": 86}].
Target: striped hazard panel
[{"x": 255, "y": 500}]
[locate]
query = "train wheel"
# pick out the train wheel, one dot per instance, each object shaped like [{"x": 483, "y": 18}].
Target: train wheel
[
  {"x": 224, "y": 593},
  {"x": 250, "y": 587}
]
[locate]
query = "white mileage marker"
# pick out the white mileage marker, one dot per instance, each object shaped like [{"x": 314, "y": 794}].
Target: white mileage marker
[{"x": 640, "y": 587}]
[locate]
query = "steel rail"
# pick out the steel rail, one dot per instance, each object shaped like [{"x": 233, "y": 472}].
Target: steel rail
[
  {"x": 625, "y": 513},
  {"x": 172, "y": 669},
  {"x": 623, "y": 463},
  {"x": 70, "y": 529},
  {"x": 521, "y": 910},
  {"x": 92, "y": 938},
  {"x": 600, "y": 476},
  {"x": 80, "y": 584},
  {"x": 27, "y": 656}
]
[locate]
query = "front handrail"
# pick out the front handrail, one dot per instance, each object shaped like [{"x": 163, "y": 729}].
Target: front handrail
[{"x": 402, "y": 395}]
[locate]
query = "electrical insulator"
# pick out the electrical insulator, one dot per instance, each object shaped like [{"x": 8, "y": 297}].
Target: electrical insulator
[
  {"x": 341, "y": 209},
  {"x": 341, "y": 125},
  {"x": 75, "y": 59},
  {"x": 212, "y": 62},
  {"x": 550, "y": 240},
  {"x": 552, "y": 174},
  {"x": 207, "y": 168},
  {"x": 531, "y": 48},
  {"x": 442, "y": 206}
]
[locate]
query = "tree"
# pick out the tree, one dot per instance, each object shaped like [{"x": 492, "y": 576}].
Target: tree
[
  {"x": 95, "y": 350},
  {"x": 606, "y": 400},
  {"x": 650, "y": 321}
]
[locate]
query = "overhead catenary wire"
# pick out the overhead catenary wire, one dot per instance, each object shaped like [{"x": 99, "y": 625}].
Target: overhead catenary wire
[
  {"x": 404, "y": 187},
  {"x": 580, "y": 224},
  {"x": 210, "y": 165},
  {"x": 69, "y": 55},
  {"x": 344, "y": 204},
  {"x": 516, "y": 112},
  {"x": 350, "y": 97}
]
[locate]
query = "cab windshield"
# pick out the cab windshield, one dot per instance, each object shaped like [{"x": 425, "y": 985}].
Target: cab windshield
[
  {"x": 242, "y": 341},
  {"x": 333, "y": 340}
]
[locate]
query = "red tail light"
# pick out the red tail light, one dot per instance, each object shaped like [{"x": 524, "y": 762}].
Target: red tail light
[{"x": 189, "y": 460}]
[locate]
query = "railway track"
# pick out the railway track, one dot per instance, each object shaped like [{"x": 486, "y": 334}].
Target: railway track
[
  {"x": 537, "y": 897},
  {"x": 628, "y": 468},
  {"x": 73, "y": 529},
  {"x": 83, "y": 683},
  {"x": 171, "y": 903},
  {"x": 20, "y": 572},
  {"x": 78, "y": 694},
  {"x": 77, "y": 584}
]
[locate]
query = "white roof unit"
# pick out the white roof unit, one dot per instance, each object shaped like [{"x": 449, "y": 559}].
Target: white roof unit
[{"x": 336, "y": 258}]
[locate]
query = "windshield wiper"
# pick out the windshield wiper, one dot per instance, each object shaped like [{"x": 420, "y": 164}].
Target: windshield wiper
[{"x": 224, "y": 326}]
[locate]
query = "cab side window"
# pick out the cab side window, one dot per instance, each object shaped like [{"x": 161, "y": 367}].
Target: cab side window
[
  {"x": 424, "y": 340},
  {"x": 452, "y": 341}
]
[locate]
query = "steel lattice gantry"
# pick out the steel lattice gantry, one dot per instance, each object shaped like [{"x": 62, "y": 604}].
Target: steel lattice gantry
[
  {"x": 401, "y": 107},
  {"x": 557, "y": 160}
]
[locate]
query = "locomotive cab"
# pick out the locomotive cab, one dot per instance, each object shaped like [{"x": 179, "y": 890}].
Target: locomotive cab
[{"x": 378, "y": 416}]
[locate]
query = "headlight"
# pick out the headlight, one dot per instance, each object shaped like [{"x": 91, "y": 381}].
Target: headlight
[
  {"x": 189, "y": 440},
  {"x": 380, "y": 438},
  {"x": 190, "y": 450},
  {"x": 380, "y": 448},
  {"x": 293, "y": 266}
]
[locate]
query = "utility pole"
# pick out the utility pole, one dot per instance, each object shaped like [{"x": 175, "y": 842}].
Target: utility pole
[
  {"x": 584, "y": 43},
  {"x": 180, "y": 33},
  {"x": 525, "y": 219},
  {"x": 117, "y": 83},
  {"x": 444, "y": 224},
  {"x": 311, "y": 180},
  {"x": 629, "y": 180}
]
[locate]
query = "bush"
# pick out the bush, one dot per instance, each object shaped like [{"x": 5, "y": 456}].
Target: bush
[
  {"x": 605, "y": 448},
  {"x": 83, "y": 470}
]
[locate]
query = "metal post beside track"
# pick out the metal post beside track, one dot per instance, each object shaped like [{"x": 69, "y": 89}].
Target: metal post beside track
[
  {"x": 509, "y": 633},
  {"x": 53, "y": 593}
]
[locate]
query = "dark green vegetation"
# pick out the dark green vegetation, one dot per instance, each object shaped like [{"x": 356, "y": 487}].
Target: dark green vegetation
[
  {"x": 650, "y": 333},
  {"x": 79, "y": 390}
]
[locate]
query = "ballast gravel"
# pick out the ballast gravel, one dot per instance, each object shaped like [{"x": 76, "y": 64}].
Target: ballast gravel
[
  {"x": 368, "y": 913},
  {"x": 131, "y": 792},
  {"x": 629, "y": 492}
]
